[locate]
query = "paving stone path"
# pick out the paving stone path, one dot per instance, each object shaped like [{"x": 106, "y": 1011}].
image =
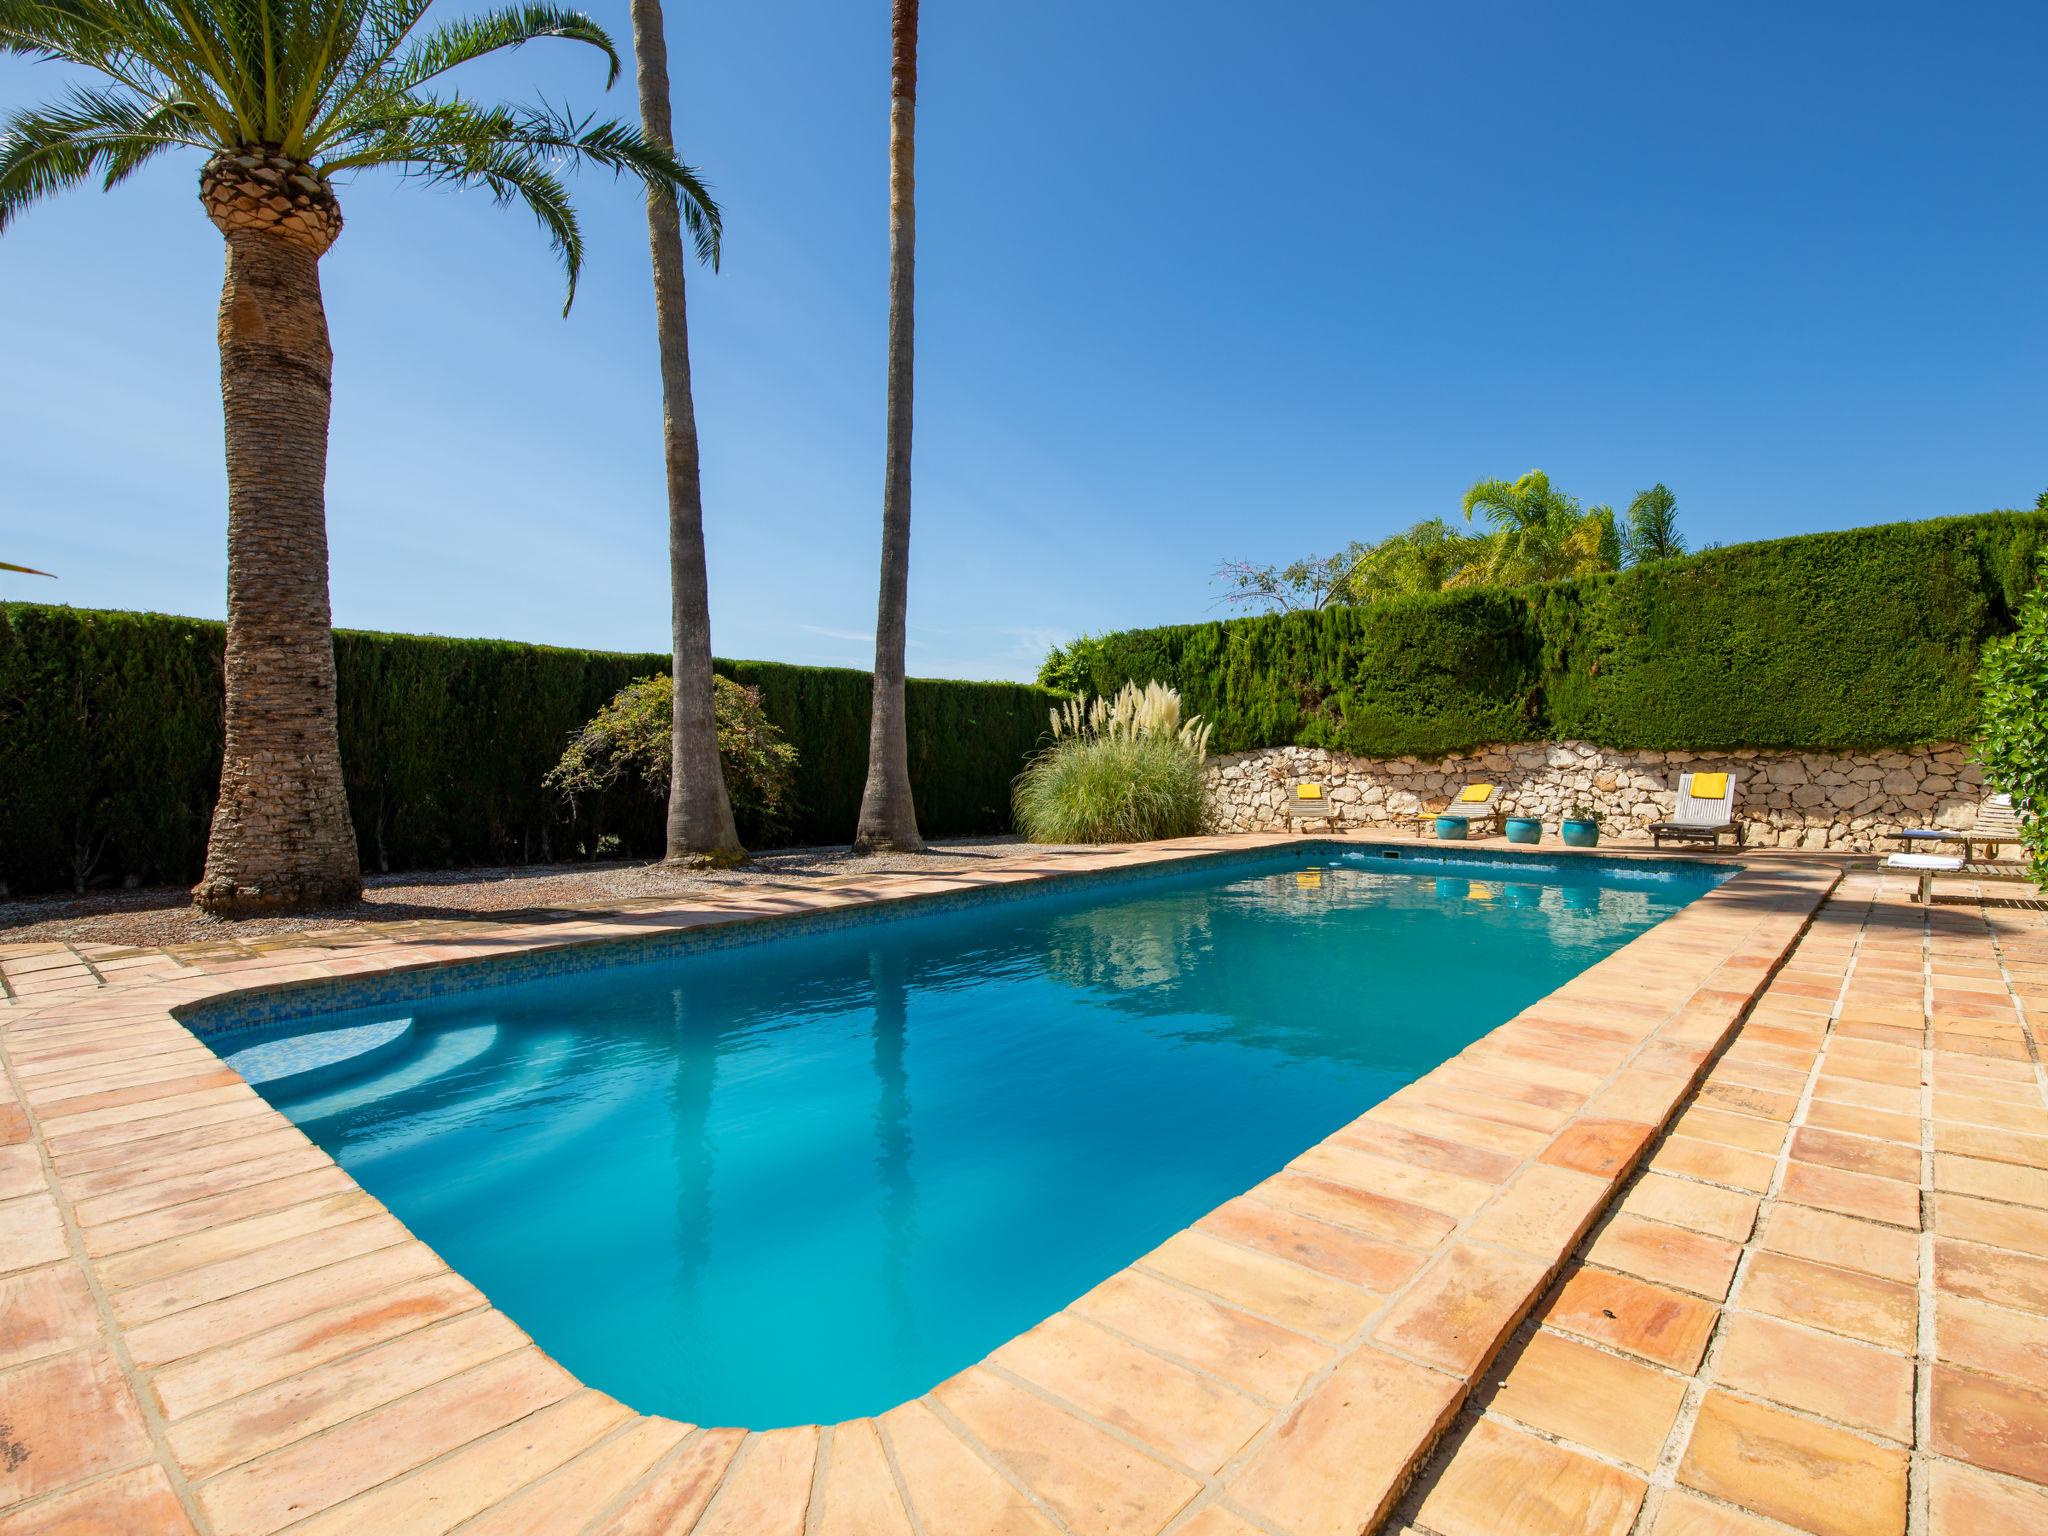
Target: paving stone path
[{"x": 1823, "y": 1304}]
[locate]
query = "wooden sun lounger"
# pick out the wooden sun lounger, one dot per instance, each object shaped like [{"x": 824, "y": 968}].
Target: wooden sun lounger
[
  {"x": 1699, "y": 820},
  {"x": 1309, "y": 802},
  {"x": 1995, "y": 824},
  {"x": 1927, "y": 866}
]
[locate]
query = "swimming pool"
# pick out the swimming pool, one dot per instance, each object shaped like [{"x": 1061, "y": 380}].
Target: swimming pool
[{"x": 804, "y": 1179}]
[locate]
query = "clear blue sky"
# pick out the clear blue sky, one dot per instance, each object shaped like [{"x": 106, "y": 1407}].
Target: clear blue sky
[{"x": 1196, "y": 281}]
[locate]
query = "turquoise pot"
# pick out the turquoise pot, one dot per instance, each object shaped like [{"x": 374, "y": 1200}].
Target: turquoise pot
[
  {"x": 1451, "y": 828},
  {"x": 1524, "y": 829},
  {"x": 1579, "y": 834}
]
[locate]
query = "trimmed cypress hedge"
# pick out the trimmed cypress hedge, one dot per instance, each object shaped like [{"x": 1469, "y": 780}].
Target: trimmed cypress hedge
[
  {"x": 1867, "y": 638},
  {"x": 110, "y": 742}
]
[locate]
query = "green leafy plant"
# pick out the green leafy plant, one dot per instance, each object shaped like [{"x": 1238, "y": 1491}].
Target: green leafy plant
[
  {"x": 1540, "y": 534},
  {"x": 2013, "y": 747},
  {"x": 1652, "y": 529},
  {"x": 630, "y": 740},
  {"x": 1121, "y": 770}
]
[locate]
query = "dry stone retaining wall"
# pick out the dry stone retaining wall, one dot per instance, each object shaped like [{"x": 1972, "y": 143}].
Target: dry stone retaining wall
[{"x": 1837, "y": 800}]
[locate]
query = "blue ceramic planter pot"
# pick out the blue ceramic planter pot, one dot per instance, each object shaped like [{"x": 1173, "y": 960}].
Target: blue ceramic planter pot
[
  {"x": 1524, "y": 829},
  {"x": 1451, "y": 828},
  {"x": 1579, "y": 834}
]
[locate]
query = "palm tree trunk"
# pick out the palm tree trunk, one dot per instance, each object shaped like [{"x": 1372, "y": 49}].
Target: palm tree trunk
[
  {"x": 700, "y": 823},
  {"x": 281, "y": 835},
  {"x": 888, "y": 819}
]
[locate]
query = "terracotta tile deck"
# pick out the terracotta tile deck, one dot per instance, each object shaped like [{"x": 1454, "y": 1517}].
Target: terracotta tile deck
[
  {"x": 204, "y": 1325},
  {"x": 1823, "y": 1306}
]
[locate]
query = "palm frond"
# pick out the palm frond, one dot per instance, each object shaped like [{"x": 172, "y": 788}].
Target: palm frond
[
  {"x": 24, "y": 570},
  {"x": 415, "y": 131},
  {"x": 509, "y": 172},
  {"x": 471, "y": 37},
  {"x": 336, "y": 84},
  {"x": 46, "y": 151}
]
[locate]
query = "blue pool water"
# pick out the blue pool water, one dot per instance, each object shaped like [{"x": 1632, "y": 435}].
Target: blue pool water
[{"x": 807, "y": 1178}]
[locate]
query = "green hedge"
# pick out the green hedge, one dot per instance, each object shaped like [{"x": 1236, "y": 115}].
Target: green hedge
[
  {"x": 110, "y": 741},
  {"x": 1866, "y": 638}
]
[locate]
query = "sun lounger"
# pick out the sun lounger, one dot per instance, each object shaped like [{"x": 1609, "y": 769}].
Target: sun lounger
[
  {"x": 1475, "y": 803},
  {"x": 1994, "y": 824},
  {"x": 1309, "y": 802},
  {"x": 1928, "y": 865},
  {"x": 1705, "y": 810}
]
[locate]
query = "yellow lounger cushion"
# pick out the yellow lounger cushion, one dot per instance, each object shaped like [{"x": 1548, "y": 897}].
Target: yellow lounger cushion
[
  {"x": 1474, "y": 793},
  {"x": 1709, "y": 786},
  {"x": 1308, "y": 791}
]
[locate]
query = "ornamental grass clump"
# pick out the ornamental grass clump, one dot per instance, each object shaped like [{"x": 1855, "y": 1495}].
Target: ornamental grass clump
[{"x": 1122, "y": 770}]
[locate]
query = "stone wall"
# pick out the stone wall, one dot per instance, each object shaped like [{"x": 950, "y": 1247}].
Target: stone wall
[{"x": 1837, "y": 800}]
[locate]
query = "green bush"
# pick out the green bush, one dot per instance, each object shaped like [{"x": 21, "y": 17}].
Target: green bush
[
  {"x": 110, "y": 743},
  {"x": 2014, "y": 746},
  {"x": 1126, "y": 770},
  {"x": 632, "y": 738},
  {"x": 1867, "y": 638}
]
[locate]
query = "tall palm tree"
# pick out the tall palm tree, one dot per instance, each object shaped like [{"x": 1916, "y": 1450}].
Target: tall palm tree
[
  {"x": 888, "y": 818},
  {"x": 1652, "y": 532},
  {"x": 283, "y": 96},
  {"x": 700, "y": 822}
]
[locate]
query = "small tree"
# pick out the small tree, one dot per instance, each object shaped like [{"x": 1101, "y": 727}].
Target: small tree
[
  {"x": 1307, "y": 585},
  {"x": 1424, "y": 558},
  {"x": 1652, "y": 531},
  {"x": 630, "y": 738},
  {"x": 2013, "y": 748}
]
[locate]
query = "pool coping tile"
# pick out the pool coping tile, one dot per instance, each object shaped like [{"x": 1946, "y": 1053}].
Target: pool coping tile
[{"x": 1386, "y": 1266}]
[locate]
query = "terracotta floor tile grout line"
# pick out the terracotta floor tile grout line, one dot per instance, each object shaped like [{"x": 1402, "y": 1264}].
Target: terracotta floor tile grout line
[
  {"x": 414, "y": 1335},
  {"x": 998, "y": 1465},
  {"x": 110, "y": 1332},
  {"x": 607, "y": 1512},
  {"x": 362, "y": 1496},
  {"x": 1663, "y": 1478},
  {"x": 821, "y": 1468},
  {"x": 1919, "y": 1496},
  {"x": 911, "y": 1514}
]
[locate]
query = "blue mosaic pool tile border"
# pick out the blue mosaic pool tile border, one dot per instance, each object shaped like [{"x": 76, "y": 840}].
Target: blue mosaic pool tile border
[{"x": 261, "y": 1007}]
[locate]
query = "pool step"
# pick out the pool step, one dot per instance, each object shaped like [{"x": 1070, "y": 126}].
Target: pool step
[
  {"x": 298, "y": 1061},
  {"x": 442, "y": 1052}
]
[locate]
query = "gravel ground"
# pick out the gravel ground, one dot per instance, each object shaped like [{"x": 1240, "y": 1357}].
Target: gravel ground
[{"x": 166, "y": 916}]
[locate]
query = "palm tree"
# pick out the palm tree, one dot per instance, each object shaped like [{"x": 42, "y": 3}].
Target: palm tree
[
  {"x": 1652, "y": 532},
  {"x": 888, "y": 819},
  {"x": 700, "y": 822},
  {"x": 1540, "y": 534},
  {"x": 1424, "y": 558},
  {"x": 284, "y": 96}
]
